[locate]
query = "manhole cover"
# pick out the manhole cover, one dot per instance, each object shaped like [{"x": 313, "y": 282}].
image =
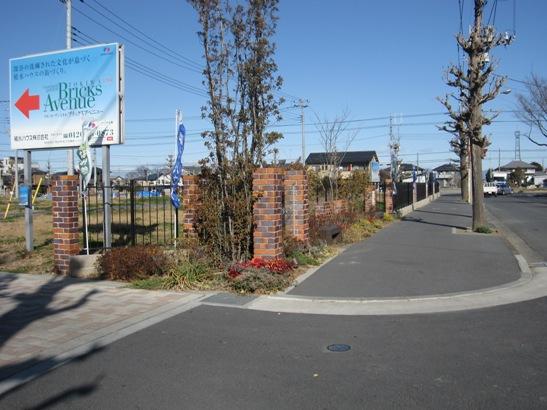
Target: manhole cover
[{"x": 338, "y": 348}]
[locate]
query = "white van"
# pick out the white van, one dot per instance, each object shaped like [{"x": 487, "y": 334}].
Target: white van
[{"x": 490, "y": 188}]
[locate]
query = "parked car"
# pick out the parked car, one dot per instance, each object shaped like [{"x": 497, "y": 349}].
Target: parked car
[
  {"x": 504, "y": 189},
  {"x": 490, "y": 188}
]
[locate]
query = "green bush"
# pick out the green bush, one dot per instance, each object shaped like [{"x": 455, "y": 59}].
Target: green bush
[
  {"x": 305, "y": 259},
  {"x": 483, "y": 229},
  {"x": 136, "y": 262},
  {"x": 154, "y": 282}
]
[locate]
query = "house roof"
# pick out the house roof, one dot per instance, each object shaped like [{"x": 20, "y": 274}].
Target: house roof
[
  {"x": 409, "y": 167},
  {"x": 358, "y": 158},
  {"x": 447, "y": 168},
  {"x": 516, "y": 164}
]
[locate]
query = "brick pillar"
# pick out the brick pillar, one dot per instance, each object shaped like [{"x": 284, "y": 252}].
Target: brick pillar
[
  {"x": 64, "y": 209},
  {"x": 190, "y": 202},
  {"x": 296, "y": 204},
  {"x": 389, "y": 197},
  {"x": 370, "y": 203},
  {"x": 414, "y": 193},
  {"x": 268, "y": 213}
]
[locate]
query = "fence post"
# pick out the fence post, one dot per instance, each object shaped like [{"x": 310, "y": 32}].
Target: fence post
[
  {"x": 132, "y": 211},
  {"x": 370, "y": 206},
  {"x": 388, "y": 198},
  {"x": 64, "y": 210},
  {"x": 296, "y": 197},
  {"x": 268, "y": 213},
  {"x": 190, "y": 203}
]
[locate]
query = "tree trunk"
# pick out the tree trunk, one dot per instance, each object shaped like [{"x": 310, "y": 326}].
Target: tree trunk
[
  {"x": 464, "y": 174},
  {"x": 479, "y": 217}
]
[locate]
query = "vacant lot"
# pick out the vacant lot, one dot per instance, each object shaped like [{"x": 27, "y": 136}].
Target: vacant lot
[{"x": 13, "y": 256}]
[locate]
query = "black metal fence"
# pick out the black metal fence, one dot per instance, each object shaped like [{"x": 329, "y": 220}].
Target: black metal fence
[
  {"x": 403, "y": 195},
  {"x": 421, "y": 193},
  {"x": 140, "y": 215}
]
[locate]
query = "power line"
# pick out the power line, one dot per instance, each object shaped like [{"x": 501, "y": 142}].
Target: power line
[
  {"x": 89, "y": 38},
  {"x": 169, "y": 50},
  {"x": 151, "y": 73},
  {"x": 169, "y": 60}
]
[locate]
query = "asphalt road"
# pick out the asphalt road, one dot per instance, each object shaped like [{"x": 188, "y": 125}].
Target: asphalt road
[
  {"x": 526, "y": 216},
  {"x": 419, "y": 255},
  {"x": 229, "y": 358}
]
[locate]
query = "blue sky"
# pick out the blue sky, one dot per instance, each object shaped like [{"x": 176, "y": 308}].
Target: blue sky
[{"x": 371, "y": 58}]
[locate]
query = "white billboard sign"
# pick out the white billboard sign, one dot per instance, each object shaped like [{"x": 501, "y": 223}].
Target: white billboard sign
[{"x": 55, "y": 96}]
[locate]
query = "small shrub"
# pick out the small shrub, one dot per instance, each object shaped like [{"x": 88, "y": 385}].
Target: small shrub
[
  {"x": 137, "y": 262},
  {"x": 154, "y": 282},
  {"x": 483, "y": 229},
  {"x": 254, "y": 280},
  {"x": 260, "y": 275},
  {"x": 305, "y": 258},
  {"x": 187, "y": 275},
  {"x": 291, "y": 246},
  {"x": 388, "y": 217}
]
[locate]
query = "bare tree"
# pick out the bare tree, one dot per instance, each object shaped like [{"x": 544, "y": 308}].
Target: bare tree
[
  {"x": 534, "y": 107},
  {"x": 240, "y": 79},
  {"x": 141, "y": 172},
  {"x": 459, "y": 143},
  {"x": 169, "y": 162},
  {"x": 476, "y": 86},
  {"x": 333, "y": 134}
]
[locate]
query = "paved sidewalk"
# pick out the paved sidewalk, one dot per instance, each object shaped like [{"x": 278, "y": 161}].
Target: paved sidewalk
[
  {"x": 43, "y": 316},
  {"x": 426, "y": 253}
]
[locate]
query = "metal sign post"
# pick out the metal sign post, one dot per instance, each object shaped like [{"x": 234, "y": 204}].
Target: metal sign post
[
  {"x": 28, "y": 206},
  {"x": 107, "y": 199}
]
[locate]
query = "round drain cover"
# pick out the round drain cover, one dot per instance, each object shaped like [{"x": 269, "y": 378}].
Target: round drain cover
[{"x": 338, "y": 348}]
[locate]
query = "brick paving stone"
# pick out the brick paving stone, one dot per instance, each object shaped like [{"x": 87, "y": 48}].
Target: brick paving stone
[{"x": 40, "y": 312}]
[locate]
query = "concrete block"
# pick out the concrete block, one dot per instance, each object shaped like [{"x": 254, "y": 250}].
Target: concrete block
[{"x": 83, "y": 266}]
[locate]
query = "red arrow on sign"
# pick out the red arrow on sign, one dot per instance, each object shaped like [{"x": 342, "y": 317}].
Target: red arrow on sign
[{"x": 27, "y": 103}]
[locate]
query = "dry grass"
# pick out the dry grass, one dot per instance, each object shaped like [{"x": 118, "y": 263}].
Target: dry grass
[{"x": 13, "y": 256}]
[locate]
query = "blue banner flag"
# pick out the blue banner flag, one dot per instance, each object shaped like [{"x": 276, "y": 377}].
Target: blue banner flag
[{"x": 177, "y": 168}]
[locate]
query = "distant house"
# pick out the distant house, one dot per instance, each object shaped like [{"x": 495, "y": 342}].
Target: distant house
[
  {"x": 540, "y": 179},
  {"x": 406, "y": 173},
  {"x": 448, "y": 175},
  {"x": 349, "y": 161},
  {"x": 529, "y": 169},
  {"x": 118, "y": 181}
]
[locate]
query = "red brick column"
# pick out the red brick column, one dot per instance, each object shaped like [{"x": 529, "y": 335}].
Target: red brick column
[
  {"x": 190, "y": 202},
  {"x": 66, "y": 243},
  {"x": 389, "y": 197},
  {"x": 296, "y": 205},
  {"x": 268, "y": 213},
  {"x": 370, "y": 204}
]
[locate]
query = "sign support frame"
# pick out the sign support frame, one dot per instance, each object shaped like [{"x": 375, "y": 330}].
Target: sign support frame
[{"x": 28, "y": 207}]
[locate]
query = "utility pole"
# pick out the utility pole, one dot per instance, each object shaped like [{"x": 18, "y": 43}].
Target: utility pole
[
  {"x": 70, "y": 152},
  {"x": 394, "y": 145},
  {"x": 517, "y": 145},
  {"x": 499, "y": 159},
  {"x": 301, "y": 103}
]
